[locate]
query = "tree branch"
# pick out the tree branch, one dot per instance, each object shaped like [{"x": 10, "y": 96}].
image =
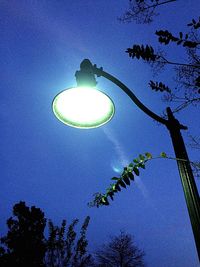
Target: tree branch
[
  {"x": 166, "y": 61},
  {"x": 159, "y": 4},
  {"x": 142, "y": 8}
]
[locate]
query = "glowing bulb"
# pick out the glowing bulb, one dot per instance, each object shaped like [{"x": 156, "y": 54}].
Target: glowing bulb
[{"x": 83, "y": 107}]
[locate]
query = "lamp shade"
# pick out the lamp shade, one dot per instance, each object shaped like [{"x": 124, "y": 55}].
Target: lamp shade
[{"x": 83, "y": 107}]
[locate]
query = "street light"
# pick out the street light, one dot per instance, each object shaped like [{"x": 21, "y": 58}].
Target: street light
[{"x": 86, "y": 78}]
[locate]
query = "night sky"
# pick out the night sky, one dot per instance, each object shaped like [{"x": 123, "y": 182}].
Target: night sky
[{"x": 58, "y": 168}]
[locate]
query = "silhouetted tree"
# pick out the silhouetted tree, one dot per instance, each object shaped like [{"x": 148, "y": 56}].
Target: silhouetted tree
[
  {"x": 24, "y": 244},
  {"x": 64, "y": 250},
  {"x": 120, "y": 251},
  {"x": 187, "y": 73},
  {"x": 186, "y": 90}
]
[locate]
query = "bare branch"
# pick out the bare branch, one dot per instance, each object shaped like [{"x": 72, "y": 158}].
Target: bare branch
[{"x": 143, "y": 11}]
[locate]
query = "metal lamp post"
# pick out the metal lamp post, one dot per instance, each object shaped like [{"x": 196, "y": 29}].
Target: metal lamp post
[{"x": 86, "y": 77}]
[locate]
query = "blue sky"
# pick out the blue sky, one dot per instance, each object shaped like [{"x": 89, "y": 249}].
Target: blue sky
[{"x": 58, "y": 168}]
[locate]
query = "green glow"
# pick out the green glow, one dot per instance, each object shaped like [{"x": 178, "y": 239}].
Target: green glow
[{"x": 83, "y": 107}]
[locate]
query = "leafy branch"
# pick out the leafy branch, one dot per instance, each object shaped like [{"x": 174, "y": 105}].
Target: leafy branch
[
  {"x": 165, "y": 37},
  {"x": 128, "y": 175},
  {"x": 147, "y": 53},
  {"x": 159, "y": 86},
  {"x": 195, "y": 24},
  {"x": 144, "y": 52},
  {"x": 125, "y": 179},
  {"x": 187, "y": 72}
]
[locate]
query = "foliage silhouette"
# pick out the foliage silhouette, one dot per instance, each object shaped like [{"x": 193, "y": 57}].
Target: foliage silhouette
[
  {"x": 101, "y": 199},
  {"x": 187, "y": 73},
  {"x": 186, "y": 91},
  {"x": 64, "y": 250},
  {"x": 120, "y": 251},
  {"x": 26, "y": 246},
  {"x": 128, "y": 175}
]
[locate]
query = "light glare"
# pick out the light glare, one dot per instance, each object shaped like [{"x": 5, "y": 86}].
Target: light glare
[{"x": 83, "y": 107}]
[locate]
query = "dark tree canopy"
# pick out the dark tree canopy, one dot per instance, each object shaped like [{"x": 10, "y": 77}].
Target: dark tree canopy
[
  {"x": 120, "y": 251},
  {"x": 24, "y": 244}
]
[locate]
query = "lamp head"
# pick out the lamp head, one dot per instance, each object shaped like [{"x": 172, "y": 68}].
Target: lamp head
[{"x": 83, "y": 106}]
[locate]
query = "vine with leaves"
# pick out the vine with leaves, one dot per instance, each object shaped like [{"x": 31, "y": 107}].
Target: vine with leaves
[{"x": 127, "y": 176}]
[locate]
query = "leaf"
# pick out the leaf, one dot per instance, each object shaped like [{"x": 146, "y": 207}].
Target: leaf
[
  {"x": 181, "y": 35},
  {"x": 163, "y": 155},
  {"x": 126, "y": 180},
  {"x": 142, "y": 158},
  {"x": 115, "y": 178},
  {"x": 148, "y": 155},
  {"x": 136, "y": 160},
  {"x": 136, "y": 171},
  {"x": 122, "y": 183},
  {"x": 117, "y": 187},
  {"x": 141, "y": 165},
  {"x": 190, "y": 44},
  {"x": 105, "y": 201},
  {"x": 131, "y": 176},
  {"x": 111, "y": 194},
  {"x": 194, "y": 23}
]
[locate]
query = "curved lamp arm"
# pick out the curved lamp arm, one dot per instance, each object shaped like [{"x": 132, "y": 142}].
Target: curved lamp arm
[
  {"x": 139, "y": 104},
  {"x": 86, "y": 76}
]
